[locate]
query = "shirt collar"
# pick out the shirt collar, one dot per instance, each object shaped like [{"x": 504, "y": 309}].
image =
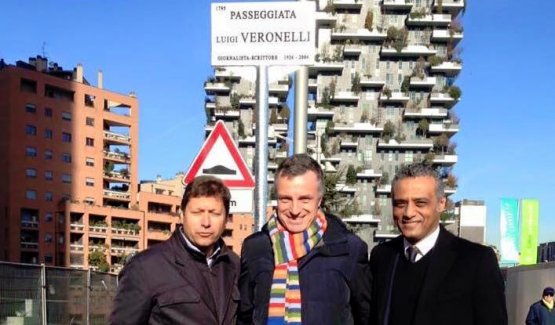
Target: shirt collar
[
  {"x": 209, "y": 259},
  {"x": 425, "y": 245}
]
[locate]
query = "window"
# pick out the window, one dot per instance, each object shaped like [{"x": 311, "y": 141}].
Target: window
[
  {"x": 30, "y": 108},
  {"x": 30, "y": 129},
  {"x": 48, "y": 217},
  {"x": 31, "y": 194},
  {"x": 48, "y": 175},
  {"x": 66, "y": 137},
  {"x": 409, "y": 157},
  {"x": 48, "y": 237},
  {"x": 31, "y": 152},
  {"x": 89, "y": 162},
  {"x": 48, "y": 112},
  {"x": 31, "y": 173},
  {"x": 89, "y": 181},
  {"x": 48, "y": 196},
  {"x": 48, "y": 258},
  {"x": 66, "y": 178},
  {"x": 66, "y": 116},
  {"x": 89, "y": 100},
  {"x": 89, "y": 200},
  {"x": 48, "y": 133},
  {"x": 28, "y": 85},
  {"x": 89, "y": 121},
  {"x": 48, "y": 154},
  {"x": 66, "y": 157},
  {"x": 89, "y": 142}
]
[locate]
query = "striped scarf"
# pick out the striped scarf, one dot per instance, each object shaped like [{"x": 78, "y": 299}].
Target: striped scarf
[{"x": 285, "y": 295}]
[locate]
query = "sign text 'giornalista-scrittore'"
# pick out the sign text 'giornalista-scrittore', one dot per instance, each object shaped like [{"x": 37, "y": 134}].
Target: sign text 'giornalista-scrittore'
[{"x": 251, "y": 33}]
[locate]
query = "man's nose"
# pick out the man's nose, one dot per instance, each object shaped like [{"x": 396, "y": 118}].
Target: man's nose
[
  {"x": 206, "y": 221},
  {"x": 295, "y": 207}
]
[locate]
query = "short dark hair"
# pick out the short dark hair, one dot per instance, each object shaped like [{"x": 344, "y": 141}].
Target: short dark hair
[
  {"x": 419, "y": 170},
  {"x": 206, "y": 186},
  {"x": 300, "y": 164},
  {"x": 548, "y": 291}
]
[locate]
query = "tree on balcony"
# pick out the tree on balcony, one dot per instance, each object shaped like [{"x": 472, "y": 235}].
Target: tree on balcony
[
  {"x": 376, "y": 208},
  {"x": 388, "y": 131},
  {"x": 435, "y": 60},
  {"x": 405, "y": 85},
  {"x": 449, "y": 211},
  {"x": 355, "y": 83},
  {"x": 326, "y": 98},
  {"x": 284, "y": 112},
  {"x": 454, "y": 92},
  {"x": 338, "y": 53},
  {"x": 439, "y": 6},
  {"x": 364, "y": 116},
  {"x": 329, "y": 8},
  {"x": 384, "y": 179},
  {"x": 235, "y": 100},
  {"x": 335, "y": 202},
  {"x": 108, "y": 167},
  {"x": 452, "y": 148},
  {"x": 273, "y": 117},
  {"x": 441, "y": 143},
  {"x": 429, "y": 158},
  {"x": 397, "y": 38},
  {"x": 451, "y": 181},
  {"x": 351, "y": 177},
  {"x": 241, "y": 129},
  {"x": 423, "y": 127},
  {"x": 98, "y": 259},
  {"x": 369, "y": 20},
  {"x": 386, "y": 92},
  {"x": 333, "y": 85},
  {"x": 418, "y": 13}
]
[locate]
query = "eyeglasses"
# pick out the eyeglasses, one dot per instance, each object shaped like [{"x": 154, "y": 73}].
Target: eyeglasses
[{"x": 549, "y": 294}]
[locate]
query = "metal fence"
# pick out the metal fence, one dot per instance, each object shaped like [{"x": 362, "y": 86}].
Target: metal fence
[{"x": 38, "y": 294}]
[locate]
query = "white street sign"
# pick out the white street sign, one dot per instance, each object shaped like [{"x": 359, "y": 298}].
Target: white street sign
[
  {"x": 263, "y": 33},
  {"x": 241, "y": 201}
]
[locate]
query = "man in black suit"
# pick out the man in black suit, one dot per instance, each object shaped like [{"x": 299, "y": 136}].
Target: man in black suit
[
  {"x": 428, "y": 276},
  {"x": 192, "y": 277}
]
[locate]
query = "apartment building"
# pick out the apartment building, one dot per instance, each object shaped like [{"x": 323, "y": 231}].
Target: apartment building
[
  {"x": 69, "y": 156},
  {"x": 381, "y": 94}
]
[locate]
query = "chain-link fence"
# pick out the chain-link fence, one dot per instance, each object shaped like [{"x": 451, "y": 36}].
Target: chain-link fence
[{"x": 33, "y": 294}]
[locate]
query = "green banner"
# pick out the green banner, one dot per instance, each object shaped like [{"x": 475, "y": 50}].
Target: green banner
[{"x": 530, "y": 215}]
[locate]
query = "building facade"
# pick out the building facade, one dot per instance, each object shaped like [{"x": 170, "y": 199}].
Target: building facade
[
  {"x": 69, "y": 194},
  {"x": 546, "y": 252},
  {"x": 381, "y": 94}
]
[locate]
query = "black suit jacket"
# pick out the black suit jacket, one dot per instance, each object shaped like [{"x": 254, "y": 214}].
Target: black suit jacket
[
  {"x": 162, "y": 285},
  {"x": 463, "y": 284}
]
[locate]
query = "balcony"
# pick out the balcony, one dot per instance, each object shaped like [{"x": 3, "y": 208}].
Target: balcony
[
  {"x": 347, "y": 4},
  {"x": 419, "y": 113},
  {"x": 442, "y": 99},
  {"x": 29, "y": 245},
  {"x": 352, "y": 50},
  {"x": 445, "y": 35},
  {"x": 407, "y": 144},
  {"x": 98, "y": 230},
  {"x": 332, "y": 160},
  {"x": 314, "y": 114},
  {"x": 396, "y": 97},
  {"x": 227, "y": 74},
  {"x": 357, "y": 128},
  {"x": 312, "y": 85},
  {"x": 445, "y": 159},
  {"x": 279, "y": 90},
  {"x": 448, "y": 68},
  {"x": 326, "y": 67},
  {"x": 76, "y": 248},
  {"x": 372, "y": 83},
  {"x": 368, "y": 174},
  {"x": 251, "y": 141},
  {"x": 325, "y": 19},
  {"x": 363, "y": 35},
  {"x": 383, "y": 189},
  {"x": 157, "y": 234},
  {"x": 125, "y": 196},
  {"x": 76, "y": 227},
  {"x": 344, "y": 188},
  {"x": 348, "y": 144},
  {"x": 397, "y": 5},
  {"x": 216, "y": 88},
  {"x": 247, "y": 101},
  {"x": 226, "y": 113},
  {"x": 210, "y": 105},
  {"x": 32, "y": 224},
  {"x": 426, "y": 82},
  {"x": 280, "y": 127},
  {"x": 115, "y": 176},
  {"x": 408, "y": 51},
  {"x": 281, "y": 154},
  {"x": 434, "y": 20},
  {"x": 117, "y": 137},
  {"x": 445, "y": 127},
  {"x": 123, "y": 250},
  {"x": 117, "y": 156},
  {"x": 450, "y": 190},
  {"x": 347, "y": 97},
  {"x": 273, "y": 101},
  {"x": 451, "y": 6}
]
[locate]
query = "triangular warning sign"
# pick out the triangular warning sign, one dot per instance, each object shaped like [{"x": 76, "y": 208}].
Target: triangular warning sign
[{"x": 220, "y": 157}]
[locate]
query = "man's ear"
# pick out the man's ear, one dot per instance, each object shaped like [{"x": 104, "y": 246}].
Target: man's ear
[{"x": 441, "y": 205}]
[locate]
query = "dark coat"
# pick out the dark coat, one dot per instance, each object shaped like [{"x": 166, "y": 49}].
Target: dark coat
[
  {"x": 162, "y": 285},
  {"x": 463, "y": 284},
  {"x": 334, "y": 278},
  {"x": 539, "y": 314}
]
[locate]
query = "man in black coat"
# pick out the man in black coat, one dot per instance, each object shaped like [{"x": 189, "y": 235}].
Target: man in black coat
[
  {"x": 428, "y": 276},
  {"x": 326, "y": 283},
  {"x": 192, "y": 277},
  {"x": 542, "y": 312}
]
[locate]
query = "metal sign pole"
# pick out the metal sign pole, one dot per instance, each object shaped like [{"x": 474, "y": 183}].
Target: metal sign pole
[
  {"x": 261, "y": 193},
  {"x": 301, "y": 101}
]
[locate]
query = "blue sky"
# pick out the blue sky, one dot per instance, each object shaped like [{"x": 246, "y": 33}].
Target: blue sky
[{"x": 162, "y": 52}]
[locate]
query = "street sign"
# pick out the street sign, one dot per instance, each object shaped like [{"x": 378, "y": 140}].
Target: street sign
[
  {"x": 220, "y": 157},
  {"x": 263, "y": 33},
  {"x": 241, "y": 200}
]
